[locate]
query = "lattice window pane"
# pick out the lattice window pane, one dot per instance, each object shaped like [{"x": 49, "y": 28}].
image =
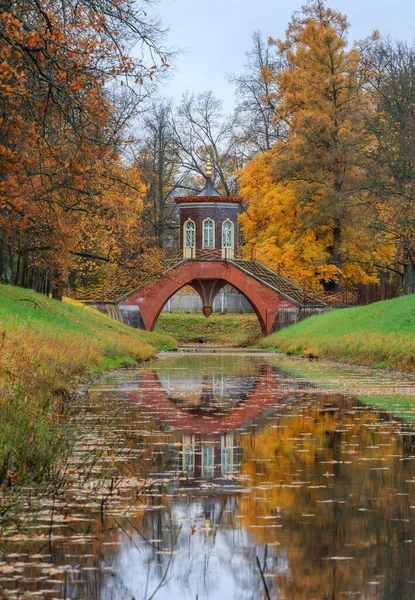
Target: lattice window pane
[
  {"x": 227, "y": 448},
  {"x": 208, "y": 234},
  {"x": 190, "y": 235},
  {"x": 227, "y": 235},
  {"x": 188, "y": 454},
  {"x": 208, "y": 462}
]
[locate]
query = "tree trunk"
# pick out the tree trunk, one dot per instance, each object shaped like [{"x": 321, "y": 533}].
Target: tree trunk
[
  {"x": 57, "y": 292},
  {"x": 335, "y": 251},
  {"x": 57, "y": 286},
  {"x": 17, "y": 271},
  {"x": 409, "y": 278},
  {"x": 5, "y": 263}
]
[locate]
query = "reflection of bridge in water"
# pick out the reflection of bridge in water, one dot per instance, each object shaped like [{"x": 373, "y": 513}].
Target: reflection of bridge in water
[{"x": 208, "y": 426}]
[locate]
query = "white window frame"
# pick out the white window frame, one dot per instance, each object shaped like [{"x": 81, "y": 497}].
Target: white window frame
[
  {"x": 212, "y": 247},
  {"x": 188, "y": 455},
  {"x": 189, "y": 251},
  {"x": 208, "y": 466},
  {"x": 228, "y": 251},
  {"x": 226, "y": 454}
]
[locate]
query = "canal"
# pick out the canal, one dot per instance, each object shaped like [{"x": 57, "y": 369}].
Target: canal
[{"x": 227, "y": 475}]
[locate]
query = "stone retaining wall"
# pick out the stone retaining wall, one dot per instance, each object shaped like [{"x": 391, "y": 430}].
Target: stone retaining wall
[{"x": 289, "y": 316}]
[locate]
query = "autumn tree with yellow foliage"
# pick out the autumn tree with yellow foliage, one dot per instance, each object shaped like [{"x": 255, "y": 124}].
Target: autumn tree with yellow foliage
[
  {"x": 112, "y": 243},
  {"x": 308, "y": 209}
]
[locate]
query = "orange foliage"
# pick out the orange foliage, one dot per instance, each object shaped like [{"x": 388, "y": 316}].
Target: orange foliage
[
  {"x": 309, "y": 207},
  {"x": 60, "y": 133}
]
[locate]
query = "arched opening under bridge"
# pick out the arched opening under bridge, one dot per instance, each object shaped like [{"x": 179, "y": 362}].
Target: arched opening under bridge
[
  {"x": 207, "y": 279},
  {"x": 228, "y": 301}
]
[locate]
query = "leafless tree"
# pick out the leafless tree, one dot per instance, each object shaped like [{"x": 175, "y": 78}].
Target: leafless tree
[
  {"x": 158, "y": 159},
  {"x": 201, "y": 131},
  {"x": 255, "y": 112},
  {"x": 391, "y": 172}
]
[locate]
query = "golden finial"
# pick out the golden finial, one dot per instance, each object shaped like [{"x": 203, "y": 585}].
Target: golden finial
[{"x": 208, "y": 168}]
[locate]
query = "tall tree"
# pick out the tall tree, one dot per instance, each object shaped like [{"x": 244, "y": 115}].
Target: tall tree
[
  {"x": 115, "y": 245},
  {"x": 62, "y": 119},
  {"x": 320, "y": 98},
  {"x": 201, "y": 132},
  {"x": 157, "y": 158},
  {"x": 391, "y": 173}
]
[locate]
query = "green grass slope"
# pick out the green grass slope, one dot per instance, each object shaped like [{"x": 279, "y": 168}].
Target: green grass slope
[
  {"x": 379, "y": 335},
  {"x": 222, "y": 329},
  {"x": 45, "y": 346}
]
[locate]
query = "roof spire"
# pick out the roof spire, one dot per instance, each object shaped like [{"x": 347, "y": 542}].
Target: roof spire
[
  {"x": 208, "y": 168},
  {"x": 208, "y": 190}
]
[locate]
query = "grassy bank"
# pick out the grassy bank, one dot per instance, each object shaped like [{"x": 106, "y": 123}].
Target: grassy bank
[
  {"x": 45, "y": 346},
  {"x": 380, "y": 335},
  {"x": 222, "y": 329}
]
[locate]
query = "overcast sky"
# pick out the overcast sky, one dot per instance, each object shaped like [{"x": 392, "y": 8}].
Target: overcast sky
[{"x": 216, "y": 34}]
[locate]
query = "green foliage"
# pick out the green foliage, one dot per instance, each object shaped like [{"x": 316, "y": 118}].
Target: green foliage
[
  {"x": 380, "y": 334},
  {"x": 223, "y": 329}
]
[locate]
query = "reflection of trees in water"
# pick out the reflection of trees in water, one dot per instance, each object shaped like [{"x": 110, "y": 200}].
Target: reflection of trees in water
[
  {"x": 350, "y": 458},
  {"x": 408, "y": 444},
  {"x": 336, "y": 479},
  {"x": 309, "y": 464},
  {"x": 312, "y": 442},
  {"x": 215, "y": 547}
]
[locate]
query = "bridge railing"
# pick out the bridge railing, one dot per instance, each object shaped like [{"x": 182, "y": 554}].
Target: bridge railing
[
  {"x": 113, "y": 288},
  {"x": 209, "y": 254}
]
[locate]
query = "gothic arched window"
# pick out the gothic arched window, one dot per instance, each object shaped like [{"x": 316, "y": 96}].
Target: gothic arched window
[
  {"x": 189, "y": 238},
  {"x": 227, "y": 239},
  {"x": 208, "y": 233}
]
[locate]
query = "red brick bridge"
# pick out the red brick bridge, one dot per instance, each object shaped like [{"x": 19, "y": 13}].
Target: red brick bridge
[
  {"x": 266, "y": 291},
  {"x": 207, "y": 262}
]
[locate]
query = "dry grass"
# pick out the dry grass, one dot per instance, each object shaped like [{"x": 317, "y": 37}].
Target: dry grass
[{"x": 45, "y": 347}]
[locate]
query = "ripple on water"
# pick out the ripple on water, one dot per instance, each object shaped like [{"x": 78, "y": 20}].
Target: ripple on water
[{"x": 189, "y": 469}]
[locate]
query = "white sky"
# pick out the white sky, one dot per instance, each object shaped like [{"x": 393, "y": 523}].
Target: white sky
[{"x": 216, "y": 34}]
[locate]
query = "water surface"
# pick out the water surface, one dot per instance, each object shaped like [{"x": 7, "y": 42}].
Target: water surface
[{"x": 229, "y": 476}]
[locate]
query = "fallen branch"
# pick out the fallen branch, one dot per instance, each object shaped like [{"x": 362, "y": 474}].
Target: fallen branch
[{"x": 32, "y": 301}]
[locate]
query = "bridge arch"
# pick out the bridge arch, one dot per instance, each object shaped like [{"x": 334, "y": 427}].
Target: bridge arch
[
  {"x": 207, "y": 289},
  {"x": 207, "y": 278}
]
